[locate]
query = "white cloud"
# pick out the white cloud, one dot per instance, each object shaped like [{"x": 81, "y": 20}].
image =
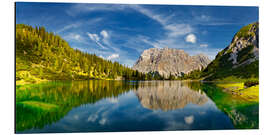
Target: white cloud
[
  {"x": 75, "y": 37},
  {"x": 105, "y": 36},
  {"x": 113, "y": 56},
  {"x": 93, "y": 37},
  {"x": 147, "y": 41},
  {"x": 178, "y": 29},
  {"x": 102, "y": 39},
  {"x": 96, "y": 38},
  {"x": 173, "y": 29},
  {"x": 104, "y": 33},
  {"x": 67, "y": 27},
  {"x": 199, "y": 18},
  {"x": 189, "y": 119},
  {"x": 191, "y": 38},
  {"x": 92, "y": 21},
  {"x": 205, "y": 17},
  {"x": 203, "y": 45},
  {"x": 157, "y": 17},
  {"x": 83, "y": 8},
  {"x": 101, "y": 45},
  {"x": 171, "y": 42}
]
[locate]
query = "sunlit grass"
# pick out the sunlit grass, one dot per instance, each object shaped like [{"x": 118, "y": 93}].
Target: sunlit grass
[
  {"x": 249, "y": 94},
  {"x": 234, "y": 79},
  {"x": 38, "y": 105},
  {"x": 28, "y": 78},
  {"x": 231, "y": 86}
]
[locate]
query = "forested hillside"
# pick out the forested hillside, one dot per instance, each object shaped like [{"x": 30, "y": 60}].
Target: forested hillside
[
  {"x": 42, "y": 55},
  {"x": 240, "y": 59}
]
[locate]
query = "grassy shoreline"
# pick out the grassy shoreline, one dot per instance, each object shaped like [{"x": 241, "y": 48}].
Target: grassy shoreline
[
  {"x": 238, "y": 89},
  {"x": 24, "y": 82}
]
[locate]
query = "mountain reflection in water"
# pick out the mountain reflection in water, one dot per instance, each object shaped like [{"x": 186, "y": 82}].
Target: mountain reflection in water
[{"x": 168, "y": 95}]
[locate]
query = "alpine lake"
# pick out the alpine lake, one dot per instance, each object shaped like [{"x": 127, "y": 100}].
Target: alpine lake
[{"x": 110, "y": 106}]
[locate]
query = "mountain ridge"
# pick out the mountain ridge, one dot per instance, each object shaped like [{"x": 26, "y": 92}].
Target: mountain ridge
[{"x": 168, "y": 61}]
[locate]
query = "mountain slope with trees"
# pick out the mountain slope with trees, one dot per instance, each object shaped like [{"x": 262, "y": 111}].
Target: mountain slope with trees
[
  {"x": 240, "y": 59},
  {"x": 42, "y": 55}
]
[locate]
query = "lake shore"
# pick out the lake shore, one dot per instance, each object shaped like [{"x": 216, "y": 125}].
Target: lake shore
[{"x": 238, "y": 89}]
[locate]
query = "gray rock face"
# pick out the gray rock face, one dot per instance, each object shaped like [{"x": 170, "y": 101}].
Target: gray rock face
[
  {"x": 169, "y": 61},
  {"x": 240, "y": 42}
]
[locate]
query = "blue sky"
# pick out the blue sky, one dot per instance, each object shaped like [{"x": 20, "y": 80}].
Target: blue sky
[{"x": 121, "y": 32}]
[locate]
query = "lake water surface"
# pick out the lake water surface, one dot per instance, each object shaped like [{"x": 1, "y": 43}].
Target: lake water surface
[{"x": 92, "y": 106}]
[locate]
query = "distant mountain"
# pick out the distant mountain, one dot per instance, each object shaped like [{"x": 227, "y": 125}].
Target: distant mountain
[
  {"x": 240, "y": 59},
  {"x": 169, "y": 62}
]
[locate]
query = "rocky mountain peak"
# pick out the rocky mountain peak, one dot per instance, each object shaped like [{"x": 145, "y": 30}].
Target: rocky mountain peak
[{"x": 168, "y": 61}]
